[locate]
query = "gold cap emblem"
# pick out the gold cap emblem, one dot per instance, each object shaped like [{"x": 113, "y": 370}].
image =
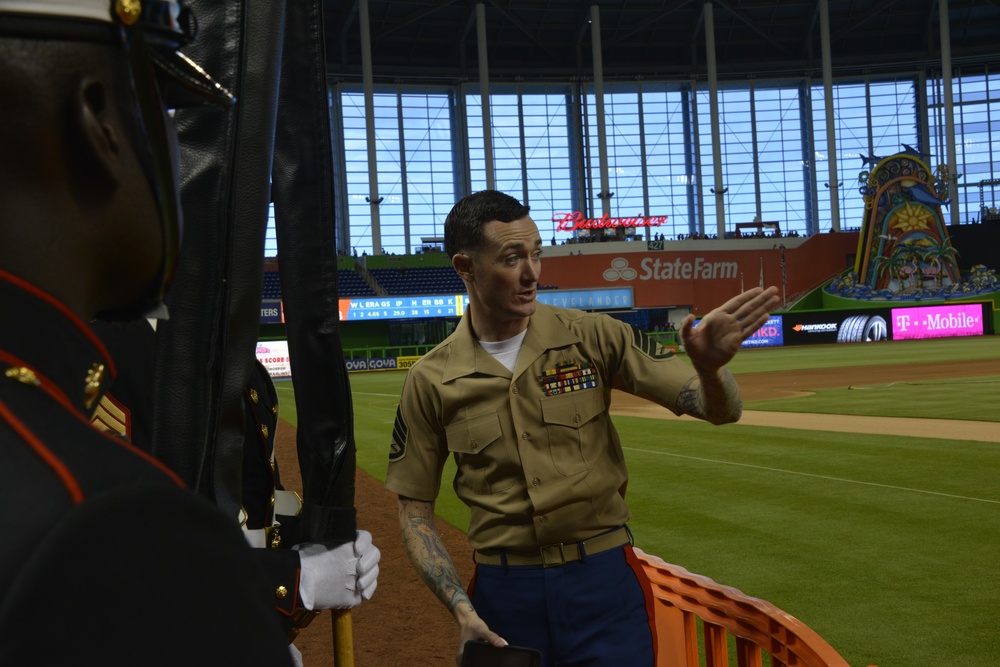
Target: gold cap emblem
[
  {"x": 92, "y": 388},
  {"x": 23, "y": 375},
  {"x": 128, "y": 11}
]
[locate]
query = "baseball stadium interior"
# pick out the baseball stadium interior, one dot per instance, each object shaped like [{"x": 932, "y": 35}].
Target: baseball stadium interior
[
  {"x": 672, "y": 153},
  {"x": 728, "y": 137}
]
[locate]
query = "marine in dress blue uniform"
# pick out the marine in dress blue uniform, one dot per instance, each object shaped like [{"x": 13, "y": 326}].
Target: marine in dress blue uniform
[{"x": 105, "y": 558}]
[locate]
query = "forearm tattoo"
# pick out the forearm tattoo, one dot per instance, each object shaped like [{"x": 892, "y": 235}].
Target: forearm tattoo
[
  {"x": 428, "y": 554},
  {"x": 712, "y": 397}
]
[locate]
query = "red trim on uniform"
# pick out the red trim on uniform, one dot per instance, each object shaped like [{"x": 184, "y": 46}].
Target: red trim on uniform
[
  {"x": 471, "y": 588},
  {"x": 647, "y": 592},
  {"x": 58, "y": 467},
  {"x": 148, "y": 458},
  {"x": 295, "y": 598},
  {"x": 52, "y": 390},
  {"x": 69, "y": 314}
]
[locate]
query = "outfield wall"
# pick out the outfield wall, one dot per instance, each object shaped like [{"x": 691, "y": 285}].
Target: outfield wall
[{"x": 820, "y": 327}]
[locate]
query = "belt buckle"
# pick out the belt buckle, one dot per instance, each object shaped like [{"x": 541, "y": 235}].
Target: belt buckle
[{"x": 553, "y": 555}]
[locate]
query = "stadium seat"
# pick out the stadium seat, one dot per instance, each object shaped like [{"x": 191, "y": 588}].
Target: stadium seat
[
  {"x": 349, "y": 284},
  {"x": 418, "y": 280},
  {"x": 757, "y": 627}
]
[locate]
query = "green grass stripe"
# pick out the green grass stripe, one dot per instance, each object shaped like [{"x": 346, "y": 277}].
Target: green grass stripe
[
  {"x": 964, "y": 399},
  {"x": 887, "y": 555},
  {"x": 866, "y": 354}
]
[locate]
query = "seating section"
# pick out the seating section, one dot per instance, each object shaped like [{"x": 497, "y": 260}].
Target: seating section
[
  {"x": 272, "y": 284},
  {"x": 423, "y": 280},
  {"x": 349, "y": 283},
  {"x": 756, "y": 627},
  {"x": 407, "y": 281}
]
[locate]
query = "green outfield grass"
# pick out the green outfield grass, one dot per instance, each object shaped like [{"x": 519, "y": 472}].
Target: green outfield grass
[
  {"x": 886, "y": 546},
  {"x": 896, "y": 352},
  {"x": 965, "y": 399}
]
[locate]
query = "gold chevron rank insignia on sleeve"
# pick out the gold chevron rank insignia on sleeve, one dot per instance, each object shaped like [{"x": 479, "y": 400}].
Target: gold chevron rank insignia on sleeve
[
  {"x": 648, "y": 346},
  {"x": 112, "y": 416}
]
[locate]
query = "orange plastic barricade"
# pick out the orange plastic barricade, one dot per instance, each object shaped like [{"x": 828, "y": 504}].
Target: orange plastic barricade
[{"x": 757, "y": 626}]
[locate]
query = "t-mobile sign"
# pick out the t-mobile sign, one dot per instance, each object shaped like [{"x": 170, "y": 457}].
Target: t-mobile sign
[{"x": 964, "y": 319}]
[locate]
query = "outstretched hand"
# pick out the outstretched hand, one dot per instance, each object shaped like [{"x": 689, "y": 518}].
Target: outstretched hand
[{"x": 717, "y": 338}]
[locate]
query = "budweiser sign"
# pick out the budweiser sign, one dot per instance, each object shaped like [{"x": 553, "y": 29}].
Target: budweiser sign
[{"x": 569, "y": 222}]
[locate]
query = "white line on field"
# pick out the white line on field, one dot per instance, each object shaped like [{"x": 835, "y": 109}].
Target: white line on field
[
  {"x": 809, "y": 474},
  {"x": 368, "y": 393}
]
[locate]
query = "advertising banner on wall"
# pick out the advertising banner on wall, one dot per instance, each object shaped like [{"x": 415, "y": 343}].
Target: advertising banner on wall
[
  {"x": 880, "y": 324},
  {"x": 274, "y": 355},
  {"x": 372, "y": 364},
  {"x": 836, "y": 326},
  {"x": 963, "y": 319},
  {"x": 769, "y": 335},
  {"x": 701, "y": 275},
  {"x": 270, "y": 311}
]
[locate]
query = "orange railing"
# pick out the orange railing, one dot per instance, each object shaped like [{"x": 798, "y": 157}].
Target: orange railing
[{"x": 758, "y": 627}]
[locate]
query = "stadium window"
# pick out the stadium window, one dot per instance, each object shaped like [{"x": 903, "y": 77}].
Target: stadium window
[
  {"x": 545, "y": 150},
  {"x": 416, "y": 143},
  {"x": 544, "y": 171},
  {"x": 976, "y": 103},
  {"x": 869, "y": 117}
]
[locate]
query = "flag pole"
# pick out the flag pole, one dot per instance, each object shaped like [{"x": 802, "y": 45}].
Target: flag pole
[{"x": 784, "y": 276}]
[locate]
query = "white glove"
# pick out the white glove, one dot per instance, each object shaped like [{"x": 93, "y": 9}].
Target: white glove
[
  {"x": 338, "y": 577},
  {"x": 296, "y": 655}
]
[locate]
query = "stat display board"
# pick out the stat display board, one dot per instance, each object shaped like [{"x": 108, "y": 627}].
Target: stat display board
[{"x": 454, "y": 305}]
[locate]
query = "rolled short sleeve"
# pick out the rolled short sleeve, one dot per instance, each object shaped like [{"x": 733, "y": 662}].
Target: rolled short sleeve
[
  {"x": 418, "y": 449},
  {"x": 646, "y": 368}
]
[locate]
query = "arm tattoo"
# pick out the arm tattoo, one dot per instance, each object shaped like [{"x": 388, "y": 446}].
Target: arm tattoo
[
  {"x": 712, "y": 397},
  {"x": 427, "y": 553}
]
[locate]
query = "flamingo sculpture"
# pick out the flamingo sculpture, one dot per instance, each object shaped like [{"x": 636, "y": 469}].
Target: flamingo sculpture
[
  {"x": 932, "y": 272},
  {"x": 908, "y": 271}
]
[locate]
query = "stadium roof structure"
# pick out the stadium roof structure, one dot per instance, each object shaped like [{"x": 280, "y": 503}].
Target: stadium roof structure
[{"x": 533, "y": 40}]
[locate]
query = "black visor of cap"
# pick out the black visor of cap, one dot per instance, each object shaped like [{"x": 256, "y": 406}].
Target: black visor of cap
[
  {"x": 183, "y": 82},
  {"x": 166, "y": 27}
]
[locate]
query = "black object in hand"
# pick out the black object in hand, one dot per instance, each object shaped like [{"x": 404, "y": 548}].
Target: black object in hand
[{"x": 482, "y": 654}]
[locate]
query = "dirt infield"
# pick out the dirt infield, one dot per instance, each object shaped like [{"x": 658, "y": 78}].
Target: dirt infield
[
  {"x": 405, "y": 625},
  {"x": 789, "y": 384}
]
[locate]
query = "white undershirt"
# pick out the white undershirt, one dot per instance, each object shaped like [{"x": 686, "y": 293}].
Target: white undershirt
[{"x": 505, "y": 351}]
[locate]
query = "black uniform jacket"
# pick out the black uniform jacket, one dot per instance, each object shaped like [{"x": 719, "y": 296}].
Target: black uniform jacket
[
  {"x": 127, "y": 408},
  {"x": 104, "y": 557}
]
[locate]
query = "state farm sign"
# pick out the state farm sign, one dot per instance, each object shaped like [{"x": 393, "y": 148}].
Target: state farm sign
[{"x": 678, "y": 269}]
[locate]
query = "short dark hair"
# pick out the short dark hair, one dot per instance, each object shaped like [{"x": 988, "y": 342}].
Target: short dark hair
[{"x": 463, "y": 228}]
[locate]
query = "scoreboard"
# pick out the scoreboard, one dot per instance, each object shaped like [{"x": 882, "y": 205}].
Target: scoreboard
[
  {"x": 454, "y": 305},
  {"x": 402, "y": 307}
]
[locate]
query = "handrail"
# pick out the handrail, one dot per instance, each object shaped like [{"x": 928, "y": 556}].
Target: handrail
[{"x": 682, "y": 597}]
